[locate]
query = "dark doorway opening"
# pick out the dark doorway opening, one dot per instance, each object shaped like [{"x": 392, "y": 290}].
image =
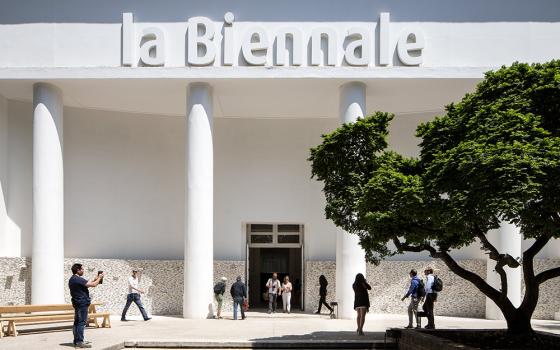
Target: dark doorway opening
[{"x": 262, "y": 263}]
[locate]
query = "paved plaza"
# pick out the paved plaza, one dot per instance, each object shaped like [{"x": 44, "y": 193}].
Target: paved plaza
[{"x": 258, "y": 327}]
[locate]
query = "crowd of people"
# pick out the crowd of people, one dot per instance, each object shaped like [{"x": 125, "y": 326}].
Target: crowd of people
[{"x": 418, "y": 291}]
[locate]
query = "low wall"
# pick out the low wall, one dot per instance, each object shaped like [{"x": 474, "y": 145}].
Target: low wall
[{"x": 163, "y": 281}]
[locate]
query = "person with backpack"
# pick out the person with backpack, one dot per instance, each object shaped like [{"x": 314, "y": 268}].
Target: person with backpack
[
  {"x": 416, "y": 292},
  {"x": 433, "y": 285},
  {"x": 219, "y": 290}
]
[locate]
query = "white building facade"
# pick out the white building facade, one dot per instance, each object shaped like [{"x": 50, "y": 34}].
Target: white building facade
[{"x": 175, "y": 136}]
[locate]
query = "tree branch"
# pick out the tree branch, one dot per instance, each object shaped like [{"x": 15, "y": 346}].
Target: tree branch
[
  {"x": 548, "y": 274},
  {"x": 531, "y": 296},
  {"x": 498, "y": 297},
  {"x": 501, "y": 260},
  {"x": 539, "y": 244}
]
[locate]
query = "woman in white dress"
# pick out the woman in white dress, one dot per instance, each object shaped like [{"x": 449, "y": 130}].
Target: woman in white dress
[{"x": 286, "y": 294}]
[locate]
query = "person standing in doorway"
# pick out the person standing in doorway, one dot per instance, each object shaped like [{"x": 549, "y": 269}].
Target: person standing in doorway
[
  {"x": 134, "y": 296},
  {"x": 323, "y": 283},
  {"x": 361, "y": 301},
  {"x": 219, "y": 290},
  {"x": 238, "y": 293},
  {"x": 273, "y": 285},
  {"x": 431, "y": 297},
  {"x": 286, "y": 294},
  {"x": 80, "y": 301},
  {"x": 414, "y": 298}
]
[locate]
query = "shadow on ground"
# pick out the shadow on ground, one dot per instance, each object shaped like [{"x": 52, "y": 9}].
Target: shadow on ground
[{"x": 326, "y": 336}]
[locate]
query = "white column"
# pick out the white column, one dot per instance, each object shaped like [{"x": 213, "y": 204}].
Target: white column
[
  {"x": 507, "y": 240},
  {"x": 199, "y": 244},
  {"x": 350, "y": 257},
  {"x": 47, "y": 283}
]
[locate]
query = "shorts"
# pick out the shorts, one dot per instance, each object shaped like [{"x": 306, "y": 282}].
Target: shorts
[{"x": 219, "y": 300}]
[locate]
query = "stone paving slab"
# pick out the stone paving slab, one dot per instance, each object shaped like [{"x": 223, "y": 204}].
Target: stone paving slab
[{"x": 258, "y": 327}]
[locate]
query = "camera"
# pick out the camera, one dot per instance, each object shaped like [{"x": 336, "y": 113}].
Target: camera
[{"x": 101, "y": 280}]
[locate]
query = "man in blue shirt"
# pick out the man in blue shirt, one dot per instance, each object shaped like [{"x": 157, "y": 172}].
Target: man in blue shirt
[
  {"x": 81, "y": 301},
  {"x": 414, "y": 298}
]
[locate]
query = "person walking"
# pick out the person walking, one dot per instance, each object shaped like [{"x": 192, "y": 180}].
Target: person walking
[
  {"x": 413, "y": 292},
  {"x": 323, "y": 283},
  {"x": 134, "y": 296},
  {"x": 286, "y": 294},
  {"x": 361, "y": 301},
  {"x": 273, "y": 285},
  {"x": 431, "y": 297},
  {"x": 238, "y": 293},
  {"x": 81, "y": 301},
  {"x": 219, "y": 290}
]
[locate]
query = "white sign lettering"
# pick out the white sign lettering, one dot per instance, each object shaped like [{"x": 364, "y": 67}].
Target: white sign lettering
[{"x": 231, "y": 43}]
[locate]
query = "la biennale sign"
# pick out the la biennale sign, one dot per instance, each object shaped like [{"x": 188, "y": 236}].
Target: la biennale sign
[{"x": 203, "y": 42}]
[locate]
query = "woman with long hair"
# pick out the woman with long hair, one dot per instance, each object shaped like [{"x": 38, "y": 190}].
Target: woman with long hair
[
  {"x": 323, "y": 294},
  {"x": 361, "y": 301}
]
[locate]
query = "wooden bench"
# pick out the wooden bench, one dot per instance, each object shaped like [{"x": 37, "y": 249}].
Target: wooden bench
[{"x": 12, "y": 315}]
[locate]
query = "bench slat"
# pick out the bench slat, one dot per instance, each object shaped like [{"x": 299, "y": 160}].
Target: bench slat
[{"x": 41, "y": 319}]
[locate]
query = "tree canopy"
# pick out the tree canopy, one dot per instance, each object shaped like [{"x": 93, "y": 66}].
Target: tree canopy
[{"x": 492, "y": 157}]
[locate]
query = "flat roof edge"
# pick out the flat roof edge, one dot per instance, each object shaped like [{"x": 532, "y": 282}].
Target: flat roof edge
[{"x": 213, "y": 73}]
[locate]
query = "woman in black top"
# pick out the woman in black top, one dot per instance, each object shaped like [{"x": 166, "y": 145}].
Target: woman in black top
[
  {"x": 361, "y": 300},
  {"x": 323, "y": 294}
]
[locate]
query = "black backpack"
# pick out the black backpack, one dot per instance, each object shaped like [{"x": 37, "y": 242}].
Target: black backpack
[
  {"x": 437, "y": 286},
  {"x": 218, "y": 288},
  {"x": 421, "y": 289}
]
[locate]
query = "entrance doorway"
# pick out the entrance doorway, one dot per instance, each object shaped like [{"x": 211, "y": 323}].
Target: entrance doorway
[{"x": 274, "y": 248}]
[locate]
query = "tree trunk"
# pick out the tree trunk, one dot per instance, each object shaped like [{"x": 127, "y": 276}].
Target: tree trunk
[{"x": 519, "y": 326}]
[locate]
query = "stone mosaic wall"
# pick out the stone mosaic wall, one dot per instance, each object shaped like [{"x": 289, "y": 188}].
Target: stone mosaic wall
[
  {"x": 390, "y": 281},
  {"x": 15, "y": 277},
  {"x": 163, "y": 282},
  {"x": 314, "y": 269},
  {"x": 230, "y": 270}
]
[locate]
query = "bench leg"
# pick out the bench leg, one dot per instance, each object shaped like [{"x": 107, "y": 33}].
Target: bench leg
[
  {"x": 1, "y": 330},
  {"x": 106, "y": 322},
  {"x": 12, "y": 329}
]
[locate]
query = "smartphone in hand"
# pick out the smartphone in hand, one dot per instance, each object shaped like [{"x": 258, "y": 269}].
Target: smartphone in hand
[{"x": 101, "y": 280}]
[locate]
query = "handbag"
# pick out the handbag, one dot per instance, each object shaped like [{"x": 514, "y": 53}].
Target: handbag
[{"x": 245, "y": 304}]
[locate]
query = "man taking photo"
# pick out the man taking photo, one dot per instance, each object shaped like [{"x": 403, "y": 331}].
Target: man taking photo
[{"x": 81, "y": 301}]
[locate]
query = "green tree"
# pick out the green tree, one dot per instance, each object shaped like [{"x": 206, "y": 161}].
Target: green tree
[{"x": 493, "y": 157}]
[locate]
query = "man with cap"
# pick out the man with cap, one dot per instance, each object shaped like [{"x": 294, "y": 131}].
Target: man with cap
[
  {"x": 134, "y": 296},
  {"x": 219, "y": 290}
]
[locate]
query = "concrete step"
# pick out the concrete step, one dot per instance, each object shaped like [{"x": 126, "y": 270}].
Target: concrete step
[{"x": 270, "y": 345}]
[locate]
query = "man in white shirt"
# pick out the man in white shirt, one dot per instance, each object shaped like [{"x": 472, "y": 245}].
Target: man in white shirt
[
  {"x": 431, "y": 297},
  {"x": 273, "y": 286},
  {"x": 134, "y": 296}
]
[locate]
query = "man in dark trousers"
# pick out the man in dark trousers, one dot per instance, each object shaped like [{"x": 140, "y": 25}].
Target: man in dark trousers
[
  {"x": 238, "y": 294},
  {"x": 134, "y": 296},
  {"x": 81, "y": 301},
  {"x": 431, "y": 297}
]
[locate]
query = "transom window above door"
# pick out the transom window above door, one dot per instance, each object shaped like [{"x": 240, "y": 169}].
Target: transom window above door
[{"x": 275, "y": 235}]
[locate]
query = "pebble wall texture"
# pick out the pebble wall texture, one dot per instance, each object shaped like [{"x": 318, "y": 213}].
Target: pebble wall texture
[
  {"x": 163, "y": 282},
  {"x": 549, "y": 294},
  {"x": 389, "y": 282},
  {"x": 314, "y": 269}
]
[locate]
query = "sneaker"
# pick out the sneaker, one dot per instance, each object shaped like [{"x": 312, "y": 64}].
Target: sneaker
[
  {"x": 82, "y": 345},
  {"x": 147, "y": 319},
  {"x": 409, "y": 326},
  {"x": 124, "y": 320},
  {"x": 317, "y": 312}
]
